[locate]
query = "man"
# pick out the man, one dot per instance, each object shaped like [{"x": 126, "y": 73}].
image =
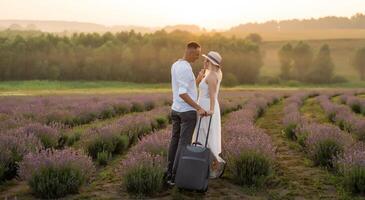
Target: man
[{"x": 184, "y": 108}]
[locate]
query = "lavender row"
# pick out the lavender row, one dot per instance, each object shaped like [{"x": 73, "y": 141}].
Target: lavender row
[
  {"x": 37, "y": 161},
  {"x": 311, "y": 135},
  {"x": 149, "y": 158},
  {"x": 16, "y": 143},
  {"x": 53, "y": 174},
  {"x": 248, "y": 150},
  {"x": 292, "y": 117},
  {"x": 72, "y": 110},
  {"x": 114, "y": 138},
  {"x": 357, "y": 104},
  {"x": 328, "y": 145},
  {"x": 77, "y": 110},
  {"x": 343, "y": 117}
]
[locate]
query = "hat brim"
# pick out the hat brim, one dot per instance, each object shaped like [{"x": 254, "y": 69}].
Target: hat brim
[{"x": 211, "y": 60}]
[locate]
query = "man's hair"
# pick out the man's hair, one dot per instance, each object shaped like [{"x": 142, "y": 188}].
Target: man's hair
[{"x": 192, "y": 45}]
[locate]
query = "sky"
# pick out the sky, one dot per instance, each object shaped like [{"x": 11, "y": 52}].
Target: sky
[{"x": 212, "y": 14}]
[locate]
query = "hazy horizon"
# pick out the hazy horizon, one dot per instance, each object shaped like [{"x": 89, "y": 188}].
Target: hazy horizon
[{"x": 206, "y": 14}]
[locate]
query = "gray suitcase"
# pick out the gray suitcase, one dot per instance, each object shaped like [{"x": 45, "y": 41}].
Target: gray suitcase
[{"x": 193, "y": 169}]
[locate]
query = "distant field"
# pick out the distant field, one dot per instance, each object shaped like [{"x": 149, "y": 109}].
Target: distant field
[
  {"x": 342, "y": 51},
  {"x": 76, "y": 87},
  {"x": 23, "y": 88}
]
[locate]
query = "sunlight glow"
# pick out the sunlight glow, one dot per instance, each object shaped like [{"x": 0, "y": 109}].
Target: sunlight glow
[{"x": 209, "y": 14}]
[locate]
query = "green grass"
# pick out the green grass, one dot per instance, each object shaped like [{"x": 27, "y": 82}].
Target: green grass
[
  {"x": 36, "y": 87},
  {"x": 312, "y": 111},
  {"x": 294, "y": 172}
]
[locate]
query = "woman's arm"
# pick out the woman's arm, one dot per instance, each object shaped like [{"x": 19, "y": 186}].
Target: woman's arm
[
  {"x": 212, "y": 87},
  {"x": 200, "y": 77}
]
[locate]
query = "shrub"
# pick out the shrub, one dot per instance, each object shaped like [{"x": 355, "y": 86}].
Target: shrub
[
  {"x": 249, "y": 153},
  {"x": 352, "y": 166},
  {"x": 48, "y": 136},
  {"x": 107, "y": 113},
  {"x": 325, "y": 151},
  {"x": 325, "y": 142},
  {"x": 121, "y": 144},
  {"x": 71, "y": 139},
  {"x": 137, "y": 107},
  {"x": 103, "y": 157},
  {"x": 84, "y": 118},
  {"x": 13, "y": 146},
  {"x": 5, "y": 159},
  {"x": 289, "y": 131},
  {"x": 54, "y": 174},
  {"x": 61, "y": 116},
  {"x": 301, "y": 138},
  {"x": 145, "y": 164},
  {"x": 155, "y": 144},
  {"x": 149, "y": 105},
  {"x": 249, "y": 168},
  {"x": 160, "y": 122},
  {"x": 144, "y": 180},
  {"x": 143, "y": 173},
  {"x": 122, "y": 108},
  {"x": 354, "y": 180},
  {"x": 106, "y": 139},
  {"x": 52, "y": 182},
  {"x": 356, "y": 107}
]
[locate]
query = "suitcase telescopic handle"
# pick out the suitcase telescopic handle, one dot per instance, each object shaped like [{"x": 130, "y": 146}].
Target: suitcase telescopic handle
[{"x": 197, "y": 134}]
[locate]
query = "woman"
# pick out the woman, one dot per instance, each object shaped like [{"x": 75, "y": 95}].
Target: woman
[{"x": 209, "y": 80}]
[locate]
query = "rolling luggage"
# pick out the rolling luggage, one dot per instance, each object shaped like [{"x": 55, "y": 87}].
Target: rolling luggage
[{"x": 193, "y": 170}]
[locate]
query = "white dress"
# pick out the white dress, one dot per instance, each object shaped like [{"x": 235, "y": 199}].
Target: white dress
[{"x": 214, "y": 140}]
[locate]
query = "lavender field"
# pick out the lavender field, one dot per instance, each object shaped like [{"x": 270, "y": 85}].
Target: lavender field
[{"x": 278, "y": 144}]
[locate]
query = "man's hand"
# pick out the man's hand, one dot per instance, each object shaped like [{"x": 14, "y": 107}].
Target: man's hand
[{"x": 201, "y": 112}]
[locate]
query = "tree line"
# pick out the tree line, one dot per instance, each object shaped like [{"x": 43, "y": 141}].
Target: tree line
[
  {"x": 123, "y": 56},
  {"x": 147, "y": 58},
  {"x": 299, "y": 62}
]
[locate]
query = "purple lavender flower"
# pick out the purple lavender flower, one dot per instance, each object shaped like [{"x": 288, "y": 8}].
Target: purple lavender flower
[
  {"x": 150, "y": 151},
  {"x": 353, "y": 156},
  {"x": 319, "y": 132},
  {"x": 33, "y": 162}
]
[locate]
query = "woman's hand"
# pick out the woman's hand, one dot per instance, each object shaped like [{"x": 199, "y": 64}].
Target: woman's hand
[
  {"x": 210, "y": 113},
  {"x": 201, "y": 74}
]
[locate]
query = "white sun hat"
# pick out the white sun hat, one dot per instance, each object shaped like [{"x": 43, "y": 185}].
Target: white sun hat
[{"x": 214, "y": 57}]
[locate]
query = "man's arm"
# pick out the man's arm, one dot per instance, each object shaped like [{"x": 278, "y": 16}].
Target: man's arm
[
  {"x": 183, "y": 79},
  {"x": 192, "y": 103}
]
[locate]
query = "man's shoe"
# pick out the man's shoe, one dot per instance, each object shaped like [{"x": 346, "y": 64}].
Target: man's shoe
[{"x": 171, "y": 183}]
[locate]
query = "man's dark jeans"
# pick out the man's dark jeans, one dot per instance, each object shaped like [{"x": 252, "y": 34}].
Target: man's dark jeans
[{"x": 183, "y": 125}]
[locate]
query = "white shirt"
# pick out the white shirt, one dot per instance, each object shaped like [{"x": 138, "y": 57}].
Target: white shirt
[{"x": 183, "y": 81}]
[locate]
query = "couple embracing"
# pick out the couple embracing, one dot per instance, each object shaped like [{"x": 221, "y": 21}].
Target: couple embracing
[{"x": 188, "y": 107}]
